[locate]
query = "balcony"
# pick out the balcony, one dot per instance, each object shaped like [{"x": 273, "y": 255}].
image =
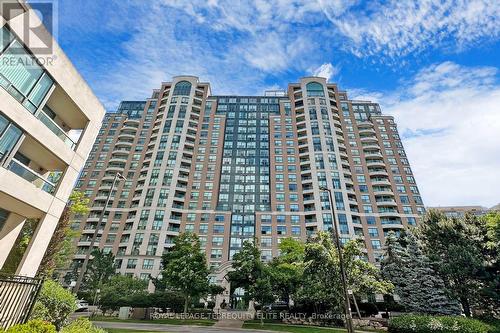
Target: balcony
[
  {"x": 375, "y": 163},
  {"x": 368, "y": 147},
  {"x": 378, "y": 172},
  {"x": 63, "y": 117},
  {"x": 373, "y": 154},
  {"x": 31, "y": 176},
  {"x": 367, "y": 131},
  {"x": 36, "y": 165},
  {"x": 383, "y": 191},
  {"x": 56, "y": 129},
  {"x": 380, "y": 182}
]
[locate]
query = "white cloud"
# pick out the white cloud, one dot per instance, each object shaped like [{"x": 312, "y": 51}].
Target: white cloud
[
  {"x": 235, "y": 46},
  {"x": 327, "y": 70},
  {"x": 396, "y": 28},
  {"x": 449, "y": 116},
  {"x": 240, "y": 45}
]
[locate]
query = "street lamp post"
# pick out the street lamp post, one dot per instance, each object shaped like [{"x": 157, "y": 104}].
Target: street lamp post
[
  {"x": 83, "y": 270},
  {"x": 335, "y": 234}
]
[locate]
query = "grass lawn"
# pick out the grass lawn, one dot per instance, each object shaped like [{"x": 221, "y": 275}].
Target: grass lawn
[
  {"x": 173, "y": 321},
  {"x": 295, "y": 328},
  {"x": 291, "y": 328},
  {"x": 122, "y": 330}
]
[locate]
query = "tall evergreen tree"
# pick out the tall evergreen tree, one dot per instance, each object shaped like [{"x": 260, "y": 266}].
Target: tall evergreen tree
[
  {"x": 416, "y": 283},
  {"x": 456, "y": 248}
]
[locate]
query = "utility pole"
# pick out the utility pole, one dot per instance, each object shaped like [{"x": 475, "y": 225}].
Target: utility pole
[
  {"x": 83, "y": 270},
  {"x": 336, "y": 239}
]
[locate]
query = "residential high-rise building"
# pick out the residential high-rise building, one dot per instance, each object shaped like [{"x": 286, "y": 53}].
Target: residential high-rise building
[
  {"x": 232, "y": 168},
  {"x": 49, "y": 119},
  {"x": 460, "y": 211}
]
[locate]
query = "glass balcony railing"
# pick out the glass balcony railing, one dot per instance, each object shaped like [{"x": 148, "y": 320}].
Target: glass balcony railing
[
  {"x": 61, "y": 134},
  {"x": 23, "y": 171}
]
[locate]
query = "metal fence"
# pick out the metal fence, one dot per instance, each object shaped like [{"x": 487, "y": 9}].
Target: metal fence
[{"x": 17, "y": 297}]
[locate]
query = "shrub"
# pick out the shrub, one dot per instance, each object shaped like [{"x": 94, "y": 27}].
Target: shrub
[
  {"x": 168, "y": 299},
  {"x": 81, "y": 325},
  {"x": 141, "y": 300},
  {"x": 441, "y": 324},
  {"x": 33, "y": 326},
  {"x": 54, "y": 304}
]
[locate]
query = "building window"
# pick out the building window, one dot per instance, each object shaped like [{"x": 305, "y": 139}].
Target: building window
[
  {"x": 373, "y": 232},
  {"x": 315, "y": 89},
  {"x": 147, "y": 264},
  {"x": 20, "y": 75},
  {"x": 412, "y": 221},
  {"x": 182, "y": 88},
  {"x": 376, "y": 245},
  {"x": 370, "y": 220},
  {"x": 265, "y": 230},
  {"x": 131, "y": 263},
  {"x": 9, "y": 135}
]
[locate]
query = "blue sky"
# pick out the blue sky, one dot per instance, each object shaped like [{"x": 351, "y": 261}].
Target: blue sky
[{"x": 432, "y": 64}]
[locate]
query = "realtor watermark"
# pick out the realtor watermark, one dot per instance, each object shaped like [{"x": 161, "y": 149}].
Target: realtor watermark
[
  {"x": 243, "y": 315},
  {"x": 35, "y": 29}
]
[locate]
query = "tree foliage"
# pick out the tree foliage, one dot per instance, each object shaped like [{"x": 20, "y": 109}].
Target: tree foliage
[
  {"x": 420, "y": 289},
  {"x": 82, "y": 325},
  {"x": 286, "y": 270},
  {"x": 185, "y": 269},
  {"x": 61, "y": 247},
  {"x": 247, "y": 268},
  {"x": 254, "y": 276},
  {"x": 119, "y": 290},
  {"x": 54, "y": 304},
  {"x": 457, "y": 249},
  {"x": 16, "y": 254},
  {"x": 32, "y": 326},
  {"x": 307, "y": 273},
  {"x": 99, "y": 270},
  {"x": 321, "y": 285}
]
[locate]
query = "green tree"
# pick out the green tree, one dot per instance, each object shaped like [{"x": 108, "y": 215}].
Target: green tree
[
  {"x": 493, "y": 230},
  {"x": 54, "y": 304},
  {"x": 456, "y": 249},
  {"x": 185, "y": 269},
  {"x": 262, "y": 292},
  {"x": 254, "y": 276},
  {"x": 286, "y": 270},
  {"x": 247, "y": 269},
  {"x": 491, "y": 292},
  {"x": 118, "y": 289},
  {"x": 99, "y": 270},
  {"x": 321, "y": 286},
  {"x": 82, "y": 325},
  {"x": 62, "y": 248},
  {"x": 420, "y": 289},
  {"x": 16, "y": 254}
]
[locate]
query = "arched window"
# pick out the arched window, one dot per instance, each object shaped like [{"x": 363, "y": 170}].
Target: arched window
[
  {"x": 182, "y": 88},
  {"x": 314, "y": 89}
]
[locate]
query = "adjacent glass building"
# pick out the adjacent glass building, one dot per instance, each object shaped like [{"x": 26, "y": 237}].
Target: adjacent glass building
[
  {"x": 231, "y": 168},
  {"x": 49, "y": 119}
]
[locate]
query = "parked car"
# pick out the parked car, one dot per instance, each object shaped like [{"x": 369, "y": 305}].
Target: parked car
[{"x": 82, "y": 305}]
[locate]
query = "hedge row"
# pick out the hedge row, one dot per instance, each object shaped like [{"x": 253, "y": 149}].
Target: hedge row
[
  {"x": 81, "y": 325},
  {"x": 441, "y": 324}
]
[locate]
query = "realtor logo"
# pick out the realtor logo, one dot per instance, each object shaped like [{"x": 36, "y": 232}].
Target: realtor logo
[{"x": 35, "y": 23}]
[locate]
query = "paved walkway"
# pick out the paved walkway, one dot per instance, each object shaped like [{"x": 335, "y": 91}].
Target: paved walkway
[
  {"x": 179, "y": 329},
  {"x": 233, "y": 319},
  {"x": 174, "y": 328}
]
